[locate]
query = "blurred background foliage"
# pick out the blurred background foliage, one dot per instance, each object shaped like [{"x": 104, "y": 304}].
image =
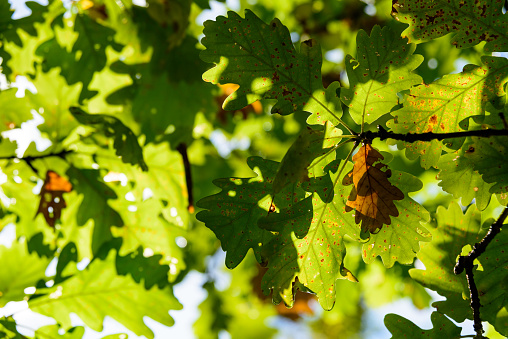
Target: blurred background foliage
[{"x": 139, "y": 62}]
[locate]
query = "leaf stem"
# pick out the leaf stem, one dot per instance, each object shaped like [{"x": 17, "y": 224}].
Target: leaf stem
[
  {"x": 466, "y": 263},
  {"x": 428, "y": 136}
]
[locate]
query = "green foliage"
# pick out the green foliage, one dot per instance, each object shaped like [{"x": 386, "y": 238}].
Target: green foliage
[{"x": 129, "y": 102}]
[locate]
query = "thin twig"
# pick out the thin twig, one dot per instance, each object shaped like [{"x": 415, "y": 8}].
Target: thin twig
[
  {"x": 60, "y": 154},
  {"x": 466, "y": 263},
  {"x": 429, "y": 136},
  {"x": 182, "y": 148}
]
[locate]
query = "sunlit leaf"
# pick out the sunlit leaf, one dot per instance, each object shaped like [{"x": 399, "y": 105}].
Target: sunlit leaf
[
  {"x": 444, "y": 106},
  {"x": 400, "y": 327},
  {"x": 19, "y": 270},
  {"x": 471, "y": 22},
  {"x": 97, "y": 292},
  {"x": 384, "y": 66},
  {"x": 263, "y": 61}
]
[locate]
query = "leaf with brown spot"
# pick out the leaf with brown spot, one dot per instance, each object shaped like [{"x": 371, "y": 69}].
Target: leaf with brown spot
[
  {"x": 52, "y": 201},
  {"x": 262, "y": 59},
  {"x": 471, "y": 22},
  {"x": 372, "y": 195},
  {"x": 445, "y": 105}
]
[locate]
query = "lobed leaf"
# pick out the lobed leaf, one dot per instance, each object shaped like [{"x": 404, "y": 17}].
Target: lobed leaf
[
  {"x": 489, "y": 157},
  {"x": 400, "y": 241},
  {"x": 19, "y": 270},
  {"x": 372, "y": 196},
  {"x": 459, "y": 177},
  {"x": 444, "y": 106},
  {"x": 454, "y": 230},
  {"x": 263, "y": 61},
  {"x": 471, "y": 21},
  {"x": 311, "y": 144},
  {"x": 98, "y": 291},
  {"x": 383, "y": 67},
  {"x": 125, "y": 142},
  {"x": 400, "y": 327},
  {"x": 233, "y": 213},
  {"x": 309, "y": 245}
]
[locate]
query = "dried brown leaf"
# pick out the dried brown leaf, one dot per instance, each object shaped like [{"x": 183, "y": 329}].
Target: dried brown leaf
[
  {"x": 372, "y": 195},
  {"x": 52, "y": 201}
]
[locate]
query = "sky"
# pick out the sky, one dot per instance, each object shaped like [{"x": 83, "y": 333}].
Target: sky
[{"x": 189, "y": 292}]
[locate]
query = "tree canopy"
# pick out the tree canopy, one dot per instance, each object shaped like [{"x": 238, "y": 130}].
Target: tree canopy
[{"x": 346, "y": 154}]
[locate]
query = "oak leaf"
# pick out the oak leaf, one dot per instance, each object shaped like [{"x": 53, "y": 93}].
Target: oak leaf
[
  {"x": 52, "y": 201},
  {"x": 372, "y": 194}
]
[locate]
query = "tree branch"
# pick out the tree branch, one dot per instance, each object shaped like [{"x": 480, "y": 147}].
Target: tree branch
[
  {"x": 182, "y": 148},
  {"x": 429, "y": 136},
  {"x": 60, "y": 154},
  {"x": 466, "y": 263}
]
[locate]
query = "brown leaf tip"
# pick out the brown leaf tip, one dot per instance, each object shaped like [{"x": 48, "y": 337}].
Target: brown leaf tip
[{"x": 372, "y": 195}]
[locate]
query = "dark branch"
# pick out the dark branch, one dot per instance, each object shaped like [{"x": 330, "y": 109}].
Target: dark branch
[
  {"x": 61, "y": 154},
  {"x": 466, "y": 263},
  {"x": 182, "y": 148},
  {"x": 429, "y": 136}
]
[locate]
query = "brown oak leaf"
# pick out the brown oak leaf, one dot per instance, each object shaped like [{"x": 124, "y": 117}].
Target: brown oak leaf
[
  {"x": 372, "y": 195},
  {"x": 52, "y": 201}
]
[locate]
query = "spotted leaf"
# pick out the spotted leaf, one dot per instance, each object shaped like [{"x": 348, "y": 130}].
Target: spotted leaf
[
  {"x": 383, "y": 67},
  {"x": 471, "y": 21},
  {"x": 261, "y": 59},
  {"x": 444, "y": 106}
]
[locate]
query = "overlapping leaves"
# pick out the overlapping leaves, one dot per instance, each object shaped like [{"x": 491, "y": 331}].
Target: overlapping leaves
[
  {"x": 445, "y": 105},
  {"x": 101, "y": 289},
  {"x": 263, "y": 61},
  {"x": 382, "y": 68}
]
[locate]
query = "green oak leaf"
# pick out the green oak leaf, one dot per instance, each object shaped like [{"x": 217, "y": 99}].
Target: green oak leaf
[
  {"x": 9, "y": 29},
  {"x": 489, "y": 157},
  {"x": 400, "y": 327},
  {"x": 454, "y": 230},
  {"x": 8, "y": 329},
  {"x": 233, "y": 213},
  {"x": 311, "y": 144},
  {"x": 95, "y": 204},
  {"x": 400, "y": 241},
  {"x": 444, "y": 106},
  {"x": 54, "y": 331},
  {"x": 19, "y": 270},
  {"x": 144, "y": 268},
  {"x": 458, "y": 177},
  {"x": 88, "y": 54},
  {"x": 14, "y": 111},
  {"x": 52, "y": 101},
  {"x": 471, "y": 22},
  {"x": 125, "y": 142},
  {"x": 492, "y": 282},
  {"x": 98, "y": 291},
  {"x": 383, "y": 67},
  {"x": 146, "y": 227},
  {"x": 263, "y": 61}
]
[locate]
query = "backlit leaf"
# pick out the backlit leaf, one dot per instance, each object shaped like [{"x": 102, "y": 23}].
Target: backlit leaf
[
  {"x": 444, "y": 106},
  {"x": 52, "y": 200},
  {"x": 372, "y": 196},
  {"x": 471, "y": 21},
  {"x": 400, "y": 327},
  {"x": 384, "y": 66},
  {"x": 19, "y": 270},
  {"x": 263, "y": 61},
  {"x": 454, "y": 230},
  {"x": 233, "y": 213},
  {"x": 98, "y": 291},
  {"x": 126, "y": 144}
]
